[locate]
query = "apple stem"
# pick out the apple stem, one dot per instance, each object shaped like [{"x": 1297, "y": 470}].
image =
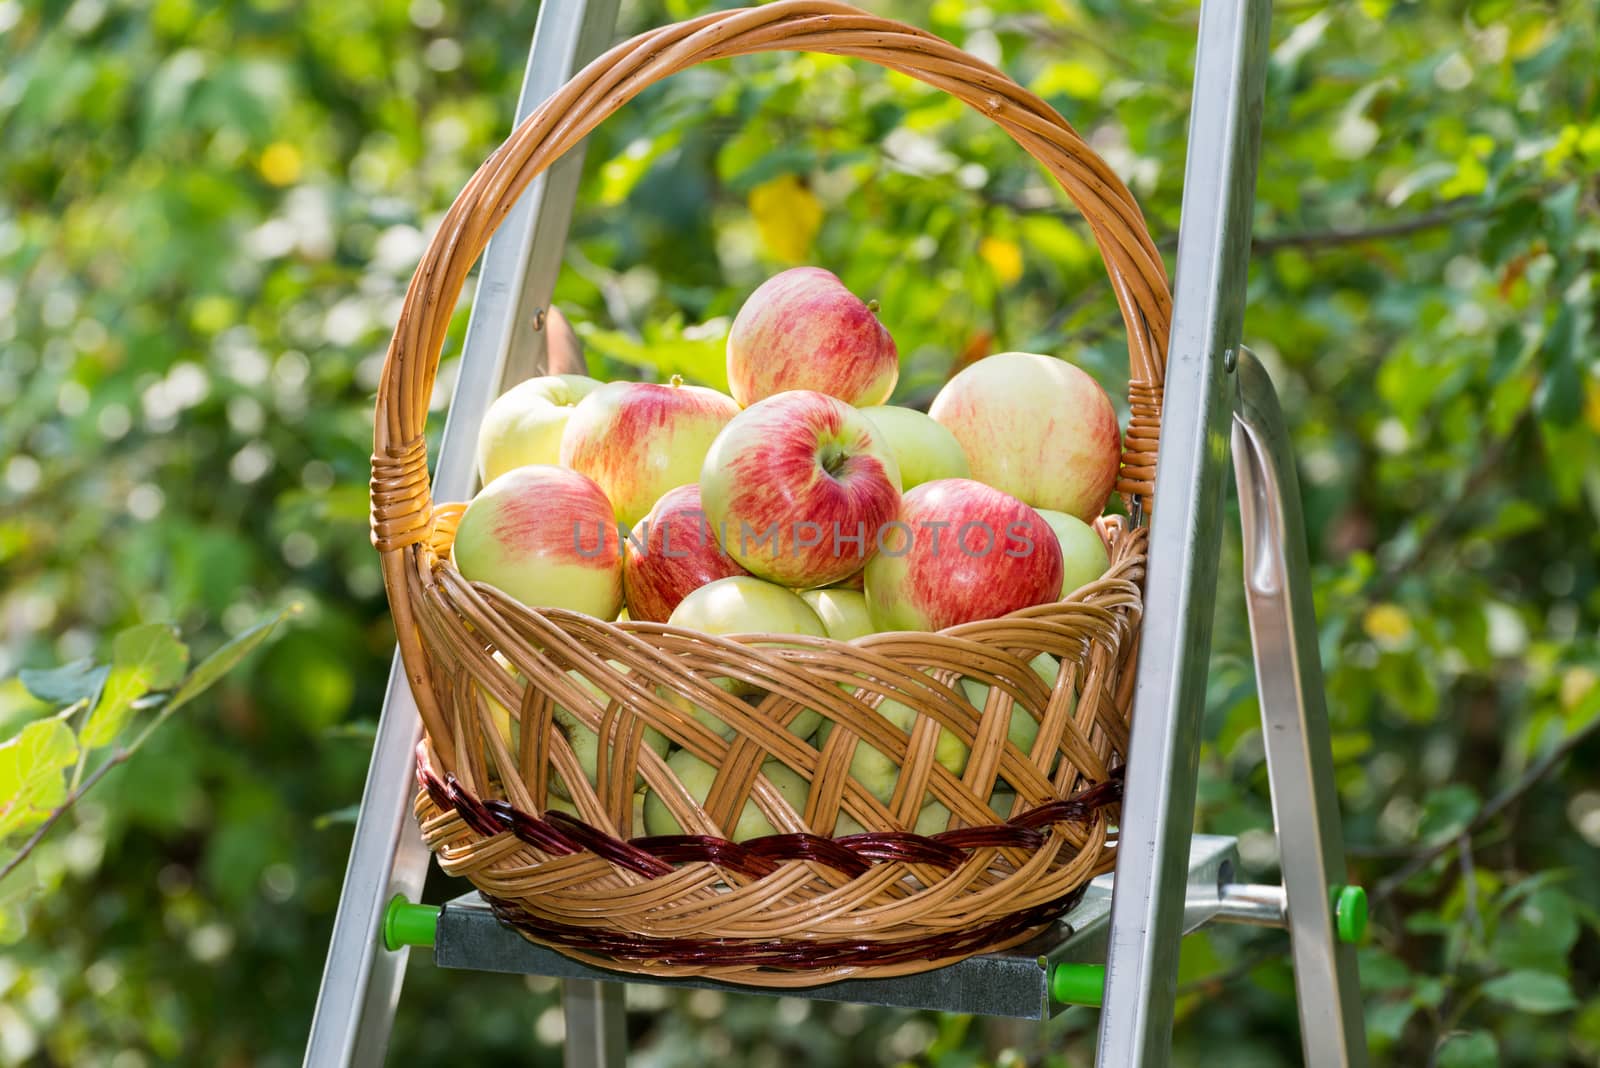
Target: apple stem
[
  {"x": 872, "y": 306},
  {"x": 675, "y": 381},
  {"x": 832, "y": 458}
]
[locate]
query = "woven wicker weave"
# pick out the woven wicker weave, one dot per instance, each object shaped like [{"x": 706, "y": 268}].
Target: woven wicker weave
[{"x": 800, "y": 906}]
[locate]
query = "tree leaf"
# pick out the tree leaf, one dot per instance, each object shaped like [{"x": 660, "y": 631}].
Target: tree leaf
[
  {"x": 15, "y": 890},
  {"x": 67, "y": 684},
  {"x": 1530, "y": 991},
  {"x": 31, "y": 779},
  {"x": 143, "y": 658},
  {"x": 224, "y": 660},
  {"x": 1447, "y": 811},
  {"x": 1476, "y": 1049}
]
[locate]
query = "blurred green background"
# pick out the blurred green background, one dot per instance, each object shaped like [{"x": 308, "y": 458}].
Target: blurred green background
[{"x": 209, "y": 213}]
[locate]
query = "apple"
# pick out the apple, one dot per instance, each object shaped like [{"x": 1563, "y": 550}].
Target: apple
[
  {"x": 554, "y": 803},
  {"x": 1023, "y": 728},
  {"x": 524, "y": 424},
  {"x": 924, "y": 450},
  {"x": 585, "y": 741},
  {"x": 797, "y": 488},
  {"x": 670, "y": 554},
  {"x": 697, "y": 777},
  {"x": 637, "y": 440},
  {"x": 878, "y": 772},
  {"x": 843, "y": 612},
  {"x": 935, "y": 817},
  {"x": 743, "y": 604},
  {"x": 958, "y": 551},
  {"x": 803, "y": 726},
  {"x": 546, "y": 536},
  {"x": 1083, "y": 553},
  {"x": 1036, "y": 427},
  {"x": 803, "y": 329}
]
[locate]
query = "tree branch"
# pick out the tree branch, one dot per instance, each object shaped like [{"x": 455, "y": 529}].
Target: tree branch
[
  {"x": 1537, "y": 771},
  {"x": 1452, "y": 212},
  {"x": 62, "y": 809}
]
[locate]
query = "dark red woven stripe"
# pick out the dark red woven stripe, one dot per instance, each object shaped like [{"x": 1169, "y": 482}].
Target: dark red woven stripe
[
  {"x": 697, "y": 848},
  {"x": 853, "y": 855},
  {"x": 777, "y": 953}
]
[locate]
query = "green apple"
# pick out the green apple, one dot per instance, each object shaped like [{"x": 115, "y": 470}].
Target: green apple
[
  {"x": 556, "y": 803},
  {"x": 877, "y": 771},
  {"x": 697, "y": 777},
  {"x": 803, "y": 726},
  {"x": 546, "y": 536},
  {"x": 1083, "y": 554},
  {"x": 1036, "y": 427},
  {"x": 585, "y": 742},
  {"x": 843, "y": 612},
  {"x": 935, "y": 817},
  {"x": 741, "y": 604},
  {"x": 524, "y": 424},
  {"x": 1023, "y": 728},
  {"x": 923, "y": 449}
]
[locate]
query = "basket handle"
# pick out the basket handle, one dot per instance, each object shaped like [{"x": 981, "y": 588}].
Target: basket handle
[{"x": 401, "y": 506}]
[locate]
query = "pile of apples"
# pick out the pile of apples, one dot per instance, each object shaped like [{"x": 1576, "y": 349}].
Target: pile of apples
[{"x": 802, "y": 503}]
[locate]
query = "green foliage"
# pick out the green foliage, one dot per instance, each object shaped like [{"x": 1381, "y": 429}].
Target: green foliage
[
  {"x": 208, "y": 214},
  {"x": 36, "y": 787}
]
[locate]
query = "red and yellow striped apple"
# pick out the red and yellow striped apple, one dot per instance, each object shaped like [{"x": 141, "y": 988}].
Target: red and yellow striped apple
[
  {"x": 671, "y": 554},
  {"x": 957, "y": 551},
  {"x": 546, "y": 536},
  {"x": 797, "y": 487},
  {"x": 639, "y": 439},
  {"x": 524, "y": 424},
  {"x": 1036, "y": 427},
  {"x": 803, "y": 329}
]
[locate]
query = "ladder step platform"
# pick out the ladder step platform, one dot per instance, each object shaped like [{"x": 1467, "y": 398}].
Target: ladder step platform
[{"x": 1034, "y": 981}]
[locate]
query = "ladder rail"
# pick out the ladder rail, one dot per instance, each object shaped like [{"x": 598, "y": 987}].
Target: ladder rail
[
  {"x": 1294, "y": 713},
  {"x": 361, "y": 979},
  {"x": 1169, "y": 689}
]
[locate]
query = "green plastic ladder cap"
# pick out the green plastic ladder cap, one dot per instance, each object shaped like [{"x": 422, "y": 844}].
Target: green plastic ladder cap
[
  {"x": 1350, "y": 914},
  {"x": 1078, "y": 984},
  {"x": 405, "y": 924}
]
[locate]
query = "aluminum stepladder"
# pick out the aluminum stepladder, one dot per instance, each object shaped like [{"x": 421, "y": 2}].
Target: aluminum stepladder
[{"x": 1119, "y": 947}]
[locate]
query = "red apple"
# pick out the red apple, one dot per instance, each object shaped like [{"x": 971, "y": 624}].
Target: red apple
[
  {"x": 797, "y": 487},
  {"x": 672, "y": 553},
  {"x": 638, "y": 439},
  {"x": 803, "y": 329},
  {"x": 546, "y": 536},
  {"x": 959, "y": 550},
  {"x": 1036, "y": 427}
]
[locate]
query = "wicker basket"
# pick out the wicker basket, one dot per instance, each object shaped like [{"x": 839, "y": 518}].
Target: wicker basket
[{"x": 800, "y": 906}]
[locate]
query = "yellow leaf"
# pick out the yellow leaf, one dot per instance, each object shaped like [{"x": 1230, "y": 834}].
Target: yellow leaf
[
  {"x": 1003, "y": 257},
  {"x": 1471, "y": 178},
  {"x": 1577, "y": 683},
  {"x": 787, "y": 216},
  {"x": 1591, "y": 403},
  {"x": 1071, "y": 77},
  {"x": 1387, "y": 624},
  {"x": 280, "y": 163}
]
